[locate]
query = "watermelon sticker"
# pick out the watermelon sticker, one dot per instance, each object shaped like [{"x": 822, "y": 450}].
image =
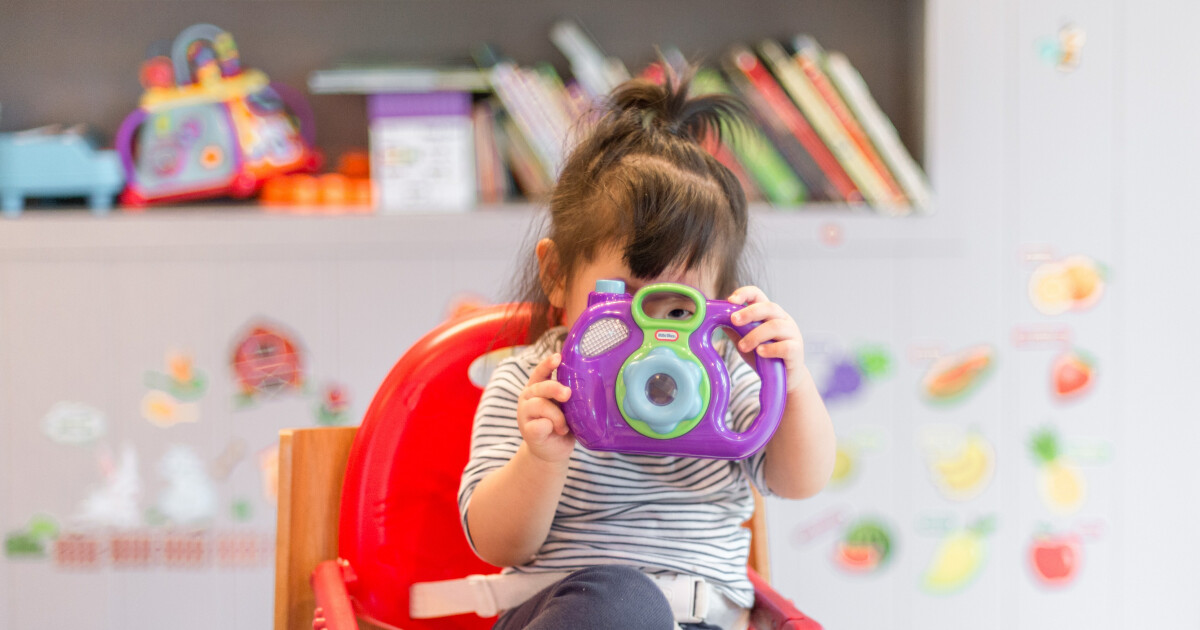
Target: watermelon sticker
[{"x": 865, "y": 547}]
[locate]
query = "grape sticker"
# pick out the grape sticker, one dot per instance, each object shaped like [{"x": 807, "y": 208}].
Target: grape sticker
[
  {"x": 847, "y": 375},
  {"x": 1060, "y": 483},
  {"x": 958, "y": 559},
  {"x": 1075, "y": 283},
  {"x": 865, "y": 547},
  {"x": 953, "y": 377}
]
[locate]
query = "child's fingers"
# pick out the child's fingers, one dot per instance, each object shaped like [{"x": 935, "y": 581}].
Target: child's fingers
[
  {"x": 779, "y": 350},
  {"x": 771, "y": 330},
  {"x": 537, "y": 430},
  {"x": 543, "y": 370},
  {"x": 757, "y": 312},
  {"x": 747, "y": 295},
  {"x": 543, "y": 417},
  {"x": 548, "y": 389}
]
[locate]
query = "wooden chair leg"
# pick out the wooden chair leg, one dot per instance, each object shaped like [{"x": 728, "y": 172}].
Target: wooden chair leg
[{"x": 312, "y": 464}]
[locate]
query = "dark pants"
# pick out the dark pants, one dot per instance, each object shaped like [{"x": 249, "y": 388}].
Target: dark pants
[{"x": 604, "y": 597}]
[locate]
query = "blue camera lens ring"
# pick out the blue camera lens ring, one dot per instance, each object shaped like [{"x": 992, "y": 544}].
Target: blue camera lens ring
[{"x": 687, "y": 402}]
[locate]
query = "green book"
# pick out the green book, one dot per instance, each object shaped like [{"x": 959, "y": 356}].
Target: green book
[{"x": 778, "y": 182}]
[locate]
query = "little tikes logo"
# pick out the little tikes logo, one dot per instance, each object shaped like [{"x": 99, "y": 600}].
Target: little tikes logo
[{"x": 666, "y": 335}]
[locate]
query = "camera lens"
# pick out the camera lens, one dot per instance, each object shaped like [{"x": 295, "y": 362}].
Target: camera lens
[{"x": 660, "y": 389}]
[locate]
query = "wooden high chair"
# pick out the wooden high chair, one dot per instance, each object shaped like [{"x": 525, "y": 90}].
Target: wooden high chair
[{"x": 365, "y": 512}]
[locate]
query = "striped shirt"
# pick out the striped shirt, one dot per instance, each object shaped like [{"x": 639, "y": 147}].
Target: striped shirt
[{"x": 660, "y": 514}]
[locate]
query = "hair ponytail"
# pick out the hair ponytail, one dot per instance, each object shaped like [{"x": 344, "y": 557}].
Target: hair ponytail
[
  {"x": 641, "y": 180},
  {"x": 667, "y": 106}
]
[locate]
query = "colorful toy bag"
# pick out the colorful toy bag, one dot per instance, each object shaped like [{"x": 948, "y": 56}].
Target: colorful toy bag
[
  {"x": 207, "y": 128},
  {"x": 658, "y": 386}
]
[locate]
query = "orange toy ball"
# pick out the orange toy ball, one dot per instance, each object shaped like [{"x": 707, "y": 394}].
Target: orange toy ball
[
  {"x": 360, "y": 192},
  {"x": 276, "y": 191},
  {"x": 355, "y": 164},
  {"x": 305, "y": 191},
  {"x": 333, "y": 188}
]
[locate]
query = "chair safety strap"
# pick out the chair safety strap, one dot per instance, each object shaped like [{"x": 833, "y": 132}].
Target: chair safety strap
[{"x": 487, "y": 595}]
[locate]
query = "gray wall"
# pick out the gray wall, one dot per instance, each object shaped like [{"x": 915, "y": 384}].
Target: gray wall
[{"x": 69, "y": 61}]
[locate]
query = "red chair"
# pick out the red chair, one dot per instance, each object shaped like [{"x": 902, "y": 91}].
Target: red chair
[{"x": 398, "y": 475}]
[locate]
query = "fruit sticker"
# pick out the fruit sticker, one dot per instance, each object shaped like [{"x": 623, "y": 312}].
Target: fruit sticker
[
  {"x": 843, "y": 466},
  {"x": 953, "y": 377},
  {"x": 1072, "y": 375},
  {"x": 1072, "y": 284},
  {"x": 1060, "y": 483},
  {"x": 266, "y": 360},
  {"x": 847, "y": 374},
  {"x": 1054, "y": 558},
  {"x": 864, "y": 548},
  {"x": 852, "y": 449},
  {"x": 961, "y": 466},
  {"x": 958, "y": 559}
]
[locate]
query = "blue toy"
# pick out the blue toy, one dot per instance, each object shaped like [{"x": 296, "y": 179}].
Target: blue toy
[{"x": 56, "y": 162}]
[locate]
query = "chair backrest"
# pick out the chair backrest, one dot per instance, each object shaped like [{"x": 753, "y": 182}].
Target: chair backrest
[{"x": 399, "y": 521}]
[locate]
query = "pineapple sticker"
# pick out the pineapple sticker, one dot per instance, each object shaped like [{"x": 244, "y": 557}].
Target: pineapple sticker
[{"x": 1060, "y": 483}]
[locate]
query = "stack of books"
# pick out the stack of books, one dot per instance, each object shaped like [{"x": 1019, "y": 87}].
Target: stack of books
[{"x": 815, "y": 134}]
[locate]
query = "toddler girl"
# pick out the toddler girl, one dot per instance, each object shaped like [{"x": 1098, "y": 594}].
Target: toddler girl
[{"x": 608, "y": 540}]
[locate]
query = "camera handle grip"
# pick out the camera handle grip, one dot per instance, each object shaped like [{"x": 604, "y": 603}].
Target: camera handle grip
[{"x": 773, "y": 394}]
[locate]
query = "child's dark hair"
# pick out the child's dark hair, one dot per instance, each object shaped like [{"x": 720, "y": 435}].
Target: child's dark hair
[{"x": 641, "y": 179}]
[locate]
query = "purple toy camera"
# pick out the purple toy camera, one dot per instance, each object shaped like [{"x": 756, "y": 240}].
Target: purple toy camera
[{"x": 654, "y": 385}]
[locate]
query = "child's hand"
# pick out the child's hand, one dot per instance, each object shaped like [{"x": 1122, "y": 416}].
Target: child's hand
[
  {"x": 541, "y": 421},
  {"x": 777, "y": 327}
]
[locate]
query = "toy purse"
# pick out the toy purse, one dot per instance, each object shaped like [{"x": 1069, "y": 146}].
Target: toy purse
[
  {"x": 207, "y": 128},
  {"x": 641, "y": 384}
]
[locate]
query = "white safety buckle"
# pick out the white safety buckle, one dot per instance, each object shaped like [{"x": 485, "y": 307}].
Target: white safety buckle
[
  {"x": 485, "y": 599},
  {"x": 688, "y": 596}
]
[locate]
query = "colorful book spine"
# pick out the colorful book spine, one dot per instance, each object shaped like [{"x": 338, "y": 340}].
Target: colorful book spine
[
  {"x": 526, "y": 115},
  {"x": 854, "y": 91},
  {"x": 528, "y": 173},
  {"x": 810, "y": 57},
  {"x": 804, "y": 95},
  {"x": 779, "y": 136},
  {"x": 783, "y": 110},
  {"x": 778, "y": 182},
  {"x": 489, "y": 166}
]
